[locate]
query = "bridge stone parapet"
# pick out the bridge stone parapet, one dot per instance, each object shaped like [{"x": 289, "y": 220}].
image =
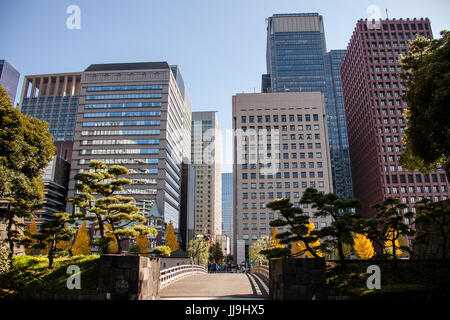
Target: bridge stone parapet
[
  {"x": 129, "y": 277},
  {"x": 298, "y": 279}
]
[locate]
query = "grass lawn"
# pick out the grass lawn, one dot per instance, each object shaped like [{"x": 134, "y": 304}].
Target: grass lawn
[
  {"x": 32, "y": 272},
  {"x": 411, "y": 279}
]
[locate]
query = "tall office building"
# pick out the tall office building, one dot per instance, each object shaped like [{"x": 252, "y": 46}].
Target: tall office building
[
  {"x": 297, "y": 61},
  {"x": 56, "y": 181},
  {"x": 134, "y": 114},
  {"x": 340, "y": 154},
  {"x": 227, "y": 205},
  {"x": 9, "y": 79},
  {"x": 280, "y": 150},
  {"x": 206, "y": 159},
  {"x": 372, "y": 91},
  {"x": 54, "y": 99}
]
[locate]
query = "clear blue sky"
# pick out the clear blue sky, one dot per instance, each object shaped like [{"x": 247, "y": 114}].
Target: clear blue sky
[{"x": 220, "y": 46}]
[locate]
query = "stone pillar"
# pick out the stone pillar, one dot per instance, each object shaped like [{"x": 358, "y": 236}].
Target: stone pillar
[
  {"x": 298, "y": 279},
  {"x": 129, "y": 277}
]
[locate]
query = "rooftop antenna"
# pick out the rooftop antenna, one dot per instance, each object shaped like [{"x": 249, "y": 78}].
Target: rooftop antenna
[{"x": 387, "y": 14}]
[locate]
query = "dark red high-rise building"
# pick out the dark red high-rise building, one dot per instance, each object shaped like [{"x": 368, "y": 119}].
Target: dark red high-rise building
[{"x": 372, "y": 91}]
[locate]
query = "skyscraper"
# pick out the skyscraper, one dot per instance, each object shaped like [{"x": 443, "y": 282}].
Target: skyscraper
[
  {"x": 280, "y": 150},
  {"x": 54, "y": 98},
  {"x": 9, "y": 79},
  {"x": 227, "y": 205},
  {"x": 206, "y": 159},
  {"x": 372, "y": 91},
  {"x": 297, "y": 61},
  {"x": 134, "y": 114}
]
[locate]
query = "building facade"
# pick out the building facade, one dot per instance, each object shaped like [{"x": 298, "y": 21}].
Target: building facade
[
  {"x": 280, "y": 149},
  {"x": 206, "y": 159},
  {"x": 53, "y": 98},
  {"x": 227, "y": 206},
  {"x": 297, "y": 61},
  {"x": 56, "y": 182},
  {"x": 372, "y": 91},
  {"x": 9, "y": 79},
  {"x": 133, "y": 114}
]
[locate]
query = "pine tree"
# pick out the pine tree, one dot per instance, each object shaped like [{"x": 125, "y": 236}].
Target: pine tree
[
  {"x": 29, "y": 250},
  {"x": 363, "y": 247},
  {"x": 81, "y": 245},
  {"x": 64, "y": 244},
  {"x": 53, "y": 231},
  {"x": 298, "y": 249},
  {"x": 392, "y": 245},
  {"x": 142, "y": 242},
  {"x": 171, "y": 238},
  {"x": 98, "y": 201}
]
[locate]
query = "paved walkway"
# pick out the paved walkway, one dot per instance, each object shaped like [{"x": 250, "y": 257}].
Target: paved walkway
[{"x": 217, "y": 286}]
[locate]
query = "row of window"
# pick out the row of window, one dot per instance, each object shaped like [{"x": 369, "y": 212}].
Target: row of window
[
  {"x": 284, "y": 128},
  {"x": 276, "y": 147},
  {"x": 120, "y": 161},
  {"x": 123, "y": 105},
  {"x": 125, "y": 88},
  {"x": 410, "y": 177},
  {"x": 120, "y": 132},
  {"x": 125, "y": 96},
  {"x": 119, "y": 151},
  {"x": 293, "y": 165},
  {"x": 119, "y": 142},
  {"x": 286, "y": 156},
  {"x": 121, "y": 123},
  {"x": 276, "y": 118},
  {"x": 422, "y": 189},
  {"x": 271, "y": 185},
  {"x": 252, "y": 137},
  {"x": 122, "y": 114},
  {"x": 279, "y": 175}
]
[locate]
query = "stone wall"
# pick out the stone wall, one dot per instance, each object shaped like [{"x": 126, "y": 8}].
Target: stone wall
[
  {"x": 50, "y": 294},
  {"x": 129, "y": 277},
  {"x": 298, "y": 279}
]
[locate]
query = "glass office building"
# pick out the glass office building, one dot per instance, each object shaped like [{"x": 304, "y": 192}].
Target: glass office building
[
  {"x": 227, "y": 205},
  {"x": 297, "y": 61},
  {"x": 135, "y": 115},
  {"x": 9, "y": 79},
  {"x": 53, "y": 98}
]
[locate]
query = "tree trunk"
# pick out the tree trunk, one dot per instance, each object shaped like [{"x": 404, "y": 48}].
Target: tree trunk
[
  {"x": 341, "y": 251},
  {"x": 50, "y": 254},
  {"x": 10, "y": 241}
]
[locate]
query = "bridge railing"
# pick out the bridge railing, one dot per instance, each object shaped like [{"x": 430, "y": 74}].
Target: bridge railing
[
  {"x": 171, "y": 275},
  {"x": 262, "y": 271}
]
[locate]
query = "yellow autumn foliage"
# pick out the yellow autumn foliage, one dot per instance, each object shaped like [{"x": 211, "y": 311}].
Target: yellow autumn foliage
[
  {"x": 171, "y": 238},
  {"x": 363, "y": 247},
  {"x": 81, "y": 245},
  {"x": 389, "y": 245},
  {"x": 299, "y": 246},
  {"x": 142, "y": 242},
  {"x": 274, "y": 242}
]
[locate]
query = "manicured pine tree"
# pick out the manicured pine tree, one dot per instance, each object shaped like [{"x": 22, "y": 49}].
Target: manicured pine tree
[
  {"x": 298, "y": 249},
  {"x": 343, "y": 218},
  {"x": 53, "y": 231},
  {"x": 171, "y": 238},
  {"x": 297, "y": 221},
  {"x": 81, "y": 245},
  {"x": 99, "y": 202}
]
